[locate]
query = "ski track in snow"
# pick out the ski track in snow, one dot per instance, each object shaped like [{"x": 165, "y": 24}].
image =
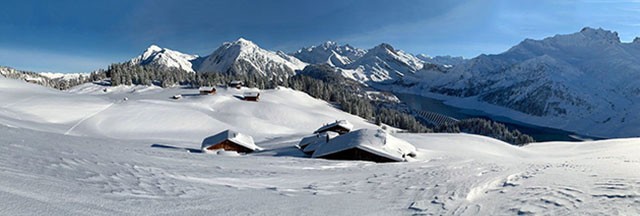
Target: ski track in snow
[{"x": 85, "y": 118}]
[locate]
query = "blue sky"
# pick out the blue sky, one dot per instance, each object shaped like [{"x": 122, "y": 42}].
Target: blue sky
[{"x": 81, "y": 36}]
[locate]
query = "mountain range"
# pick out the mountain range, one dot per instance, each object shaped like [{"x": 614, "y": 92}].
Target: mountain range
[
  {"x": 378, "y": 64},
  {"x": 586, "y": 82}
]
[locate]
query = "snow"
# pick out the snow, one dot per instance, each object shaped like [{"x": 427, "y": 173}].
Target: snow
[
  {"x": 64, "y": 76},
  {"x": 331, "y": 53},
  {"x": 357, "y": 74},
  {"x": 233, "y": 136},
  {"x": 105, "y": 114},
  {"x": 245, "y": 56},
  {"x": 120, "y": 155},
  {"x": 310, "y": 143},
  {"x": 166, "y": 58},
  {"x": 342, "y": 123},
  {"x": 376, "y": 142},
  {"x": 252, "y": 93},
  {"x": 206, "y": 88},
  {"x": 385, "y": 63},
  {"x": 585, "y": 82},
  {"x": 447, "y": 61}
]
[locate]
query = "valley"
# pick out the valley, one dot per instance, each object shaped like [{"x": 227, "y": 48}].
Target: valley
[{"x": 541, "y": 134}]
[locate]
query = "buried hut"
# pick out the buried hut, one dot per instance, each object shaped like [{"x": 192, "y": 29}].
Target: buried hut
[
  {"x": 310, "y": 143},
  {"x": 366, "y": 144},
  {"x": 236, "y": 84},
  {"x": 339, "y": 126},
  {"x": 229, "y": 140}
]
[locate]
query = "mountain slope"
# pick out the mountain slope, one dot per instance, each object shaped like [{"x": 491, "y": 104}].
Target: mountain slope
[
  {"x": 164, "y": 58},
  {"x": 329, "y": 52},
  {"x": 384, "y": 63},
  {"x": 442, "y": 60},
  {"x": 245, "y": 57},
  {"x": 586, "y": 82},
  {"x": 52, "y": 80}
]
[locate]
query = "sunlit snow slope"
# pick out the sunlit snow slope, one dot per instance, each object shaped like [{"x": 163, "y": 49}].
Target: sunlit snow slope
[{"x": 90, "y": 152}]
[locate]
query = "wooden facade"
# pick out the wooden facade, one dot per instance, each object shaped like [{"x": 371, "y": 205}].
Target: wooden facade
[
  {"x": 227, "y": 145},
  {"x": 252, "y": 97},
  {"x": 236, "y": 84},
  {"x": 357, "y": 154},
  {"x": 207, "y": 92},
  {"x": 337, "y": 128}
]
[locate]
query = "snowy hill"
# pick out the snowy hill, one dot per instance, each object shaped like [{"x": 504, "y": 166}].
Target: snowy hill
[
  {"x": 134, "y": 149},
  {"x": 87, "y": 110},
  {"x": 164, "y": 58},
  {"x": 87, "y": 151},
  {"x": 245, "y": 57},
  {"x": 585, "y": 82},
  {"x": 329, "y": 52}
]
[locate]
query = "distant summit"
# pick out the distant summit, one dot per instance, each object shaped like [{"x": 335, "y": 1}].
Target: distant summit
[
  {"x": 164, "y": 58},
  {"x": 329, "y": 52},
  {"x": 245, "y": 57}
]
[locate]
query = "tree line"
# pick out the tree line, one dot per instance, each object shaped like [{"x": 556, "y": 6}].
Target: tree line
[{"x": 486, "y": 128}]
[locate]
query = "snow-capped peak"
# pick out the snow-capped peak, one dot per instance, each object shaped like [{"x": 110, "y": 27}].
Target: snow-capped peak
[
  {"x": 329, "y": 44},
  {"x": 383, "y": 62},
  {"x": 164, "y": 58},
  {"x": 585, "y": 81},
  {"x": 329, "y": 52},
  {"x": 243, "y": 42},
  {"x": 383, "y": 48},
  {"x": 243, "y": 56},
  {"x": 153, "y": 48}
]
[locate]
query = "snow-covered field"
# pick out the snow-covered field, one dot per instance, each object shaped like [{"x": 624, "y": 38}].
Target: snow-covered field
[{"x": 90, "y": 152}]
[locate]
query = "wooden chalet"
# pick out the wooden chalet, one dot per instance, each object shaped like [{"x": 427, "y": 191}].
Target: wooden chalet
[
  {"x": 207, "y": 90},
  {"x": 339, "y": 126},
  {"x": 229, "y": 140},
  {"x": 251, "y": 96},
  {"x": 236, "y": 84}
]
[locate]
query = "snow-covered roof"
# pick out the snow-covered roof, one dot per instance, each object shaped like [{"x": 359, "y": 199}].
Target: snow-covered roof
[
  {"x": 342, "y": 123},
  {"x": 376, "y": 142},
  {"x": 236, "y": 82},
  {"x": 233, "y": 136},
  {"x": 310, "y": 143},
  {"x": 252, "y": 94},
  {"x": 206, "y": 88}
]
